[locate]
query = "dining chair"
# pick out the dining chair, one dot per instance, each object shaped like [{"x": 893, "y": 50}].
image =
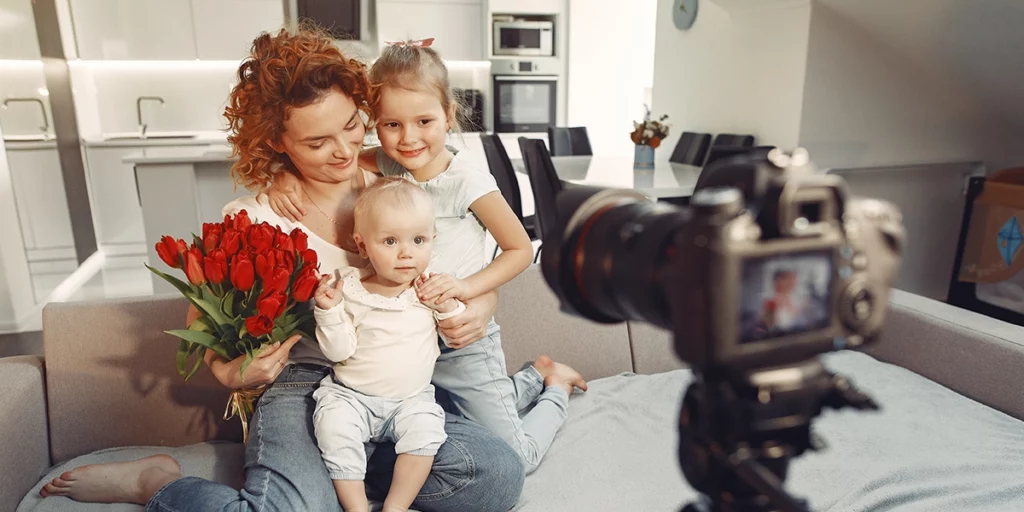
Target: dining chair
[
  {"x": 691, "y": 149},
  {"x": 569, "y": 141},
  {"x": 505, "y": 175},
  {"x": 544, "y": 182},
  {"x": 733, "y": 140},
  {"x": 721, "y": 152}
]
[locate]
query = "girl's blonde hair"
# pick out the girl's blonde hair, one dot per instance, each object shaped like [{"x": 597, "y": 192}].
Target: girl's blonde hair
[
  {"x": 389, "y": 191},
  {"x": 414, "y": 67}
]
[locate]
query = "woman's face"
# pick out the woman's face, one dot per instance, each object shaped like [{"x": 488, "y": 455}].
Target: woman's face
[{"x": 323, "y": 139}]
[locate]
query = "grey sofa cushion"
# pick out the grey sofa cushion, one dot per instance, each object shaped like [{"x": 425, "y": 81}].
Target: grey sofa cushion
[
  {"x": 929, "y": 449},
  {"x": 217, "y": 461}
]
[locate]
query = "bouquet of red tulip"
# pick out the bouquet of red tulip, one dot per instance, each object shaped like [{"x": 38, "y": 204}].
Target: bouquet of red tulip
[{"x": 251, "y": 283}]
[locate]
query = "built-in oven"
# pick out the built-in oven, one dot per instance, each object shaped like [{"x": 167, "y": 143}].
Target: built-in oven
[
  {"x": 524, "y": 38},
  {"x": 525, "y": 103}
]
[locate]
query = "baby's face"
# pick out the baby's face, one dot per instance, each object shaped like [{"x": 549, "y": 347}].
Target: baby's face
[{"x": 399, "y": 243}]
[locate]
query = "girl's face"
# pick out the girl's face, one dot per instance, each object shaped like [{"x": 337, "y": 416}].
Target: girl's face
[
  {"x": 412, "y": 127},
  {"x": 323, "y": 139}
]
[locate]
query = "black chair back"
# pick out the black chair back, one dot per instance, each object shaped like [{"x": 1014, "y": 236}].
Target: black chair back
[
  {"x": 503, "y": 172},
  {"x": 733, "y": 140},
  {"x": 543, "y": 181},
  {"x": 572, "y": 141},
  {"x": 721, "y": 152},
  {"x": 692, "y": 148}
]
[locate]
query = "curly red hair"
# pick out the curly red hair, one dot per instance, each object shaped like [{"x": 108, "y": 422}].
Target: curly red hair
[{"x": 284, "y": 71}]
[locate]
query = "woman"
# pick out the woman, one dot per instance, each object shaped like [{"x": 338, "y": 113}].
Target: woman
[{"x": 299, "y": 104}]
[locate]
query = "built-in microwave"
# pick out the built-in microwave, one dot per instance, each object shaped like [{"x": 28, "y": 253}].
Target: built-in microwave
[
  {"x": 524, "y": 38},
  {"x": 525, "y": 103}
]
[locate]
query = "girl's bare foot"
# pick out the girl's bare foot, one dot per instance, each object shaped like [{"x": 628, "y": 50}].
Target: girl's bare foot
[
  {"x": 558, "y": 374},
  {"x": 117, "y": 482}
]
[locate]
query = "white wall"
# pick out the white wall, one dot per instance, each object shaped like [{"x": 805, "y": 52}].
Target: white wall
[
  {"x": 610, "y": 69},
  {"x": 738, "y": 72},
  {"x": 16, "y": 298},
  {"x": 877, "y": 93}
]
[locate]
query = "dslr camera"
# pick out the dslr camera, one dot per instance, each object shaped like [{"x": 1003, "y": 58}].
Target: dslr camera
[{"x": 770, "y": 265}]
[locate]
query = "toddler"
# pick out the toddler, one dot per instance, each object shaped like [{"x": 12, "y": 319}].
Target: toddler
[{"x": 383, "y": 342}]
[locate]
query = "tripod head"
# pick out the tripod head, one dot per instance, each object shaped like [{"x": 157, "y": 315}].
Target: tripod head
[{"x": 737, "y": 435}]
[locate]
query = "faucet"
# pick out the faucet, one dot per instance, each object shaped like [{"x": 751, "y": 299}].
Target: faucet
[
  {"x": 138, "y": 110},
  {"x": 42, "y": 108}
]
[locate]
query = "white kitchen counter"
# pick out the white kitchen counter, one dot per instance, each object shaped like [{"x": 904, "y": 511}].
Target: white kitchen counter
[
  {"x": 161, "y": 139},
  {"x": 180, "y": 155}
]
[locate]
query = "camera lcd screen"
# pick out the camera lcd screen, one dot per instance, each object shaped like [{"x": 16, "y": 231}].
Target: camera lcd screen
[{"x": 785, "y": 294}]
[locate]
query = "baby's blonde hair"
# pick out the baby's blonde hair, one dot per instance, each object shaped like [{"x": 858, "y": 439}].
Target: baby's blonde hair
[
  {"x": 414, "y": 67},
  {"x": 393, "y": 192}
]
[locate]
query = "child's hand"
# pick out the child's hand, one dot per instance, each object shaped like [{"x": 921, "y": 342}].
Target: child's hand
[
  {"x": 327, "y": 296},
  {"x": 444, "y": 306},
  {"x": 438, "y": 288},
  {"x": 285, "y": 196}
]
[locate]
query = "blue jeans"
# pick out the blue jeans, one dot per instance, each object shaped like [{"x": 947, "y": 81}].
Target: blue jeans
[
  {"x": 519, "y": 409},
  {"x": 473, "y": 470}
]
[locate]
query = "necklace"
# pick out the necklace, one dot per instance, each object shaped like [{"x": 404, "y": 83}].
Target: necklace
[{"x": 319, "y": 210}]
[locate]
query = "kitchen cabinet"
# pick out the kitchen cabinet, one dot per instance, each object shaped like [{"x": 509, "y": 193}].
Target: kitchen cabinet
[
  {"x": 115, "y": 202},
  {"x": 41, "y": 202},
  {"x": 18, "y": 35},
  {"x": 456, "y": 26},
  {"x": 224, "y": 29},
  {"x": 135, "y": 29}
]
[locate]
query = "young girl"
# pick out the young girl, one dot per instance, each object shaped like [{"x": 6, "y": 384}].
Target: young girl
[
  {"x": 383, "y": 343},
  {"x": 415, "y": 112}
]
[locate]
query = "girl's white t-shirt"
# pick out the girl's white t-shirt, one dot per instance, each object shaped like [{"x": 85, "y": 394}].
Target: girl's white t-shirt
[{"x": 332, "y": 259}]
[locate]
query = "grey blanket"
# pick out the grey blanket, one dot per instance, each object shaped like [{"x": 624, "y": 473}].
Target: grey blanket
[{"x": 929, "y": 449}]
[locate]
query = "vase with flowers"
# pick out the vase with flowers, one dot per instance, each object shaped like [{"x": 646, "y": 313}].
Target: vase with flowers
[{"x": 647, "y": 135}]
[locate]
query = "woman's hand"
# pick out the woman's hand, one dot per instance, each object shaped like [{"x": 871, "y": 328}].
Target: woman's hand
[
  {"x": 470, "y": 325},
  {"x": 285, "y": 196},
  {"x": 263, "y": 370}
]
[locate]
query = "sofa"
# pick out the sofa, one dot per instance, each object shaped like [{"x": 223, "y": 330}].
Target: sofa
[{"x": 949, "y": 434}]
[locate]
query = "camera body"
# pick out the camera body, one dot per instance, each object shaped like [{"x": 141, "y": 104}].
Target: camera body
[{"x": 770, "y": 265}]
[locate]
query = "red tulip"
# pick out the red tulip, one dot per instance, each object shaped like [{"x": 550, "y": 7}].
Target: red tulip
[
  {"x": 283, "y": 242},
  {"x": 194, "y": 266},
  {"x": 241, "y": 221},
  {"x": 277, "y": 281},
  {"x": 300, "y": 239},
  {"x": 215, "y": 265},
  {"x": 309, "y": 258},
  {"x": 212, "y": 234},
  {"x": 265, "y": 264},
  {"x": 259, "y": 325},
  {"x": 305, "y": 284},
  {"x": 171, "y": 251},
  {"x": 261, "y": 237},
  {"x": 231, "y": 242},
  {"x": 242, "y": 274},
  {"x": 271, "y": 304},
  {"x": 286, "y": 259}
]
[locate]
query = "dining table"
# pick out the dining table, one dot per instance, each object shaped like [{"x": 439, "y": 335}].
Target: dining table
[{"x": 666, "y": 180}]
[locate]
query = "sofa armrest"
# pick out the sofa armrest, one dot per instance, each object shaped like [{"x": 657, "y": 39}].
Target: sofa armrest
[
  {"x": 972, "y": 354},
  {"x": 25, "y": 452}
]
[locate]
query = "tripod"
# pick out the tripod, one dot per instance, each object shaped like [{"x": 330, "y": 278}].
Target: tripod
[{"x": 737, "y": 432}]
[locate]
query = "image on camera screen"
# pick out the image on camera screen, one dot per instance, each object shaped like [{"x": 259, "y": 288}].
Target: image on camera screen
[{"x": 785, "y": 294}]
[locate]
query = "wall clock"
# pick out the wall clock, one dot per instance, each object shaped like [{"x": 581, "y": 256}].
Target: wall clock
[{"x": 684, "y": 12}]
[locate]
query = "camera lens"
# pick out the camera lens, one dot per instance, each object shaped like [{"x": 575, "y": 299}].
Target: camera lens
[{"x": 606, "y": 256}]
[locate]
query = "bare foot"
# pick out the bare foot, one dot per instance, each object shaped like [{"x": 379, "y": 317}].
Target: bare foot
[
  {"x": 558, "y": 374},
  {"x": 117, "y": 482}
]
